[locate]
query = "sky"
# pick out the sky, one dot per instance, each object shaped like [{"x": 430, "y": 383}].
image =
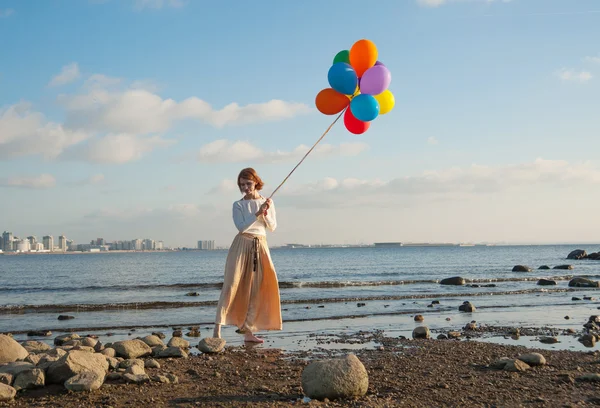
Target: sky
[{"x": 127, "y": 119}]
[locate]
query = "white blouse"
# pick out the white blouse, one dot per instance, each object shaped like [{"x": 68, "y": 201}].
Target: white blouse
[{"x": 246, "y": 221}]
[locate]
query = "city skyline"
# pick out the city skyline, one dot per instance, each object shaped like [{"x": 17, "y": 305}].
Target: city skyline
[{"x": 128, "y": 118}]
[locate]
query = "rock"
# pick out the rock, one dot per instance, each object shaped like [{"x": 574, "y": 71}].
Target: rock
[
  {"x": 575, "y": 298},
  {"x": 192, "y": 294},
  {"x": 588, "y": 298},
  {"x": 135, "y": 370},
  {"x": 546, "y": 282},
  {"x": 421, "y": 332},
  {"x": 89, "y": 342},
  {"x": 132, "y": 348},
  {"x": 131, "y": 363},
  {"x": 566, "y": 267},
  {"x": 113, "y": 363},
  {"x": 544, "y": 267},
  {"x": 109, "y": 352},
  {"x": 419, "y": 318},
  {"x": 30, "y": 379},
  {"x": 582, "y": 283},
  {"x": 160, "y": 378},
  {"x": 455, "y": 280},
  {"x": 194, "y": 333},
  {"x": 46, "y": 359},
  {"x": 10, "y": 350},
  {"x": 98, "y": 347},
  {"x": 516, "y": 366},
  {"x": 114, "y": 377},
  {"x": 176, "y": 352},
  {"x": 35, "y": 347},
  {"x": 177, "y": 333},
  {"x": 594, "y": 256},
  {"x": 588, "y": 340},
  {"x": 178, "y": 342},
  {"x": 39, "y": 333},
  {"x": 442, "y": 337},
  {"x": 158, "y": 349},
  {"x": 470, "y": 326},
  {"x": 501, "y": 363},
  {"x": 548, "y": 340},
  {"x": 153, "y": 340},
  {"x": 76, "y": 362},
  {"x": 136, "y": 379},
  {"x": 211, "y": 345},
  {"x": 335, "y": 378},
  {"x": 466, "y": 307},
  {"x": 151, "y": 363},
  {"x": 593, "y": 377},
  {"x": 533, "y": 359},
  {"x": 453, "y": 335},
  {"x": 521, "y": 268},
  {"x": 7, "y": 393},
  {"x": 65, "y": 317},
  {"x": 6, "y": 378},
  {"x": 577, "y": 254},
  {"x": 60, "y": 340},
  {"x": 159, "y": 335},
  {"x": 84, "y": 348},
  {"x": 85, "y": 381}
]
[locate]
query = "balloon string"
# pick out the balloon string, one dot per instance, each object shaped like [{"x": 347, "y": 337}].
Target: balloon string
[{"x": 311, "y": 149}]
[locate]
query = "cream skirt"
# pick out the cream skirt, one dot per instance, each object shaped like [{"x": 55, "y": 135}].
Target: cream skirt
[{"x": 250, "y": 295}]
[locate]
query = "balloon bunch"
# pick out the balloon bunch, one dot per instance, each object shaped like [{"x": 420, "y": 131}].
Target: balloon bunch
[{"x": 359, "y": 81}]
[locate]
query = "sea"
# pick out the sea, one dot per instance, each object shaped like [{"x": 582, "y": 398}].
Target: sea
[{"x": 323, "y": 290}]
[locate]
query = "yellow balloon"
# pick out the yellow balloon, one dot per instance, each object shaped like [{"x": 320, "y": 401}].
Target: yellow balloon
[
  {"x": 386, "y": 101},
  {"x": 356, "y": 92}
]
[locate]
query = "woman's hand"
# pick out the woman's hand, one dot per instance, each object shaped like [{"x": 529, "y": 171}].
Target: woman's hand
[{"x": 264, "y": 207}]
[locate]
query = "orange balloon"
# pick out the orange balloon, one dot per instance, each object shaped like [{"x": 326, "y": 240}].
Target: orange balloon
[
  {"x": 329, "y": 101},
  {"x": 363, "y": 55}
]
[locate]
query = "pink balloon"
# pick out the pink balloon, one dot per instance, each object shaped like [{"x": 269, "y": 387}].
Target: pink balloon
[{"x": 375, "y": 80}]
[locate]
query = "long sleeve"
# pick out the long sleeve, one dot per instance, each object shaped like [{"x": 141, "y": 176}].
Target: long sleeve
[
  {"x": 238, "y": 218},
  {"x": 271, "y": 218}
]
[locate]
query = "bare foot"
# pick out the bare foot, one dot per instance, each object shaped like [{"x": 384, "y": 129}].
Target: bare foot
[{"x": 252, "y": 338}]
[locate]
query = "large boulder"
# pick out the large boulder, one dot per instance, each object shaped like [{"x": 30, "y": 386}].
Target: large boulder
[
  {"x": 455, "y": 280},
  {"x": 76, "y": 362},
  {"x": 35, "y": 347},
  {"x": 152, "y": 340},
  {"x": 211, "y": 345},
  {"x": 7, "y": 393},
  {"x": 583, "y": 283},
  {"x": 421, "y": 332},
  {"x": 566, "y": 267},
  {"x": 546, "y": 282},
  {"x": 467, "y": 307},
  {"x": 335, "y": 378},
  {"x": 10, "y": 350},
  {"x": 85, "y": 381},
  {"x": 577, "y": 254},
  {"x": 131, "y": 348},
  {"x": 521, "y": 268}
]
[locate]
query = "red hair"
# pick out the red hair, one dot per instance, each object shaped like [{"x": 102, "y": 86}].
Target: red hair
[{"x": 250, "y": 174}]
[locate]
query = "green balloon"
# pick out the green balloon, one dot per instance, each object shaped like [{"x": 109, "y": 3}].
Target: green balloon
[{"x": 342, "y": 56}]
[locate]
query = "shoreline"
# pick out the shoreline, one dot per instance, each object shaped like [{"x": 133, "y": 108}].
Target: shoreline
[{"x": 401, "y": 373}]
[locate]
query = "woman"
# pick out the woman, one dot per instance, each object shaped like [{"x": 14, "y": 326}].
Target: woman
[{"x": 250, "y": 295}]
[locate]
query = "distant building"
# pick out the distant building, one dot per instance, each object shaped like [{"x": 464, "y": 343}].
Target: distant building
[
  {"x": 62, "y": 243},
  {"x": 48, "y": 243},
  {"x": 206, "y": 245},
  {"x": 23, "y": 245},
  {"x": 32, "y": 241},
  {"x": 149, "y": 244},
  {"x": 7, "y": 241},
  {"x": 137, "y": 244},
  {"x": 159, "y": 246},
  {"x": 388, "y": 244}
]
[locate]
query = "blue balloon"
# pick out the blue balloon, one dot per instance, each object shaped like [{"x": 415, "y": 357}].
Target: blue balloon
[
  {"x": 364, "y": 107},
  {"x": 342, "y": 77}
]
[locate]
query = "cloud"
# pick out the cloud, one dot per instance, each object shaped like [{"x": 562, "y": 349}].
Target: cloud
[
  {"x": 449, "y": 184},
  {"x": 68, "y": 74},
  {"x": 36, "y": 182},
  {"x": 432, "y": 140},
  {"x": 574, "y": 76},
  {"x": 157, "y": 4},
  {"x": 437, "y": 3},
  {"x": 91, "y": 180},
  {"x": 115, "y": 148},
  {"x": 225, "y": 151},
  {"x": 169, "y": 188},
  {"x": 594, "y": 60},
  {"x": 26, "y": 132},
  {"x": 140, "y": 111},
  {"x": 6, "y": 12},
  {"x": 225, "y": 186}
]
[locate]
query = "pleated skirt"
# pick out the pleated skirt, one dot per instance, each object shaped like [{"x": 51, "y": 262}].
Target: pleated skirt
[{"x": 250, "y": 295}]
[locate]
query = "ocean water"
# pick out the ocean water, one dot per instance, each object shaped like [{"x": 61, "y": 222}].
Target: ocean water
[{"x": 325, "y": 286}]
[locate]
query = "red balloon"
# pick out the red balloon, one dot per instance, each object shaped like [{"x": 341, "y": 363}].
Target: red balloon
[{"x": 354, "y": 125}]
